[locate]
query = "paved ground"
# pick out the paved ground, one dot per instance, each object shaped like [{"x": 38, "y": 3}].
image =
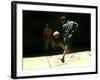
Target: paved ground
[{"x": 45, "y": 62}]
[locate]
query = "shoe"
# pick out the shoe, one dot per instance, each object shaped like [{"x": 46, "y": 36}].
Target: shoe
[{"x": 62, "y": 60}]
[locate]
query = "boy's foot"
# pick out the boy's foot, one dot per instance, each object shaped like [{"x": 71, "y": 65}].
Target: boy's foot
[{"x": 62, "y": 60}]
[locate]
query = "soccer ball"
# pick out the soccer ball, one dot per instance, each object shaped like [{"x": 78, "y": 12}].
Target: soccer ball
[{"x": 56, "y": 34}]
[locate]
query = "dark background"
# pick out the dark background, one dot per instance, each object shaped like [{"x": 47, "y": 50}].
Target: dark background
[{"x": 34, "y": 23}]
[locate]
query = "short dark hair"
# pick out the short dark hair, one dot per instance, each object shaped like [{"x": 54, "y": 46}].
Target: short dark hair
[
  {"x": 65, "y": 16},
  {"x": 62, "y": 17}
]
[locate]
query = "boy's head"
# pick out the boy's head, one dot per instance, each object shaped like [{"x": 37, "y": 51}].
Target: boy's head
[{"x": 63, "y": 19}]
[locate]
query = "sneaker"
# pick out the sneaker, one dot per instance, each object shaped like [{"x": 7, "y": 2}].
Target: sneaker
[{"x": 62, "y": 60}]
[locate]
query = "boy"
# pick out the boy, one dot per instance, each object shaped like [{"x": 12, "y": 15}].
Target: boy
[{"x": 68, "y": 28}]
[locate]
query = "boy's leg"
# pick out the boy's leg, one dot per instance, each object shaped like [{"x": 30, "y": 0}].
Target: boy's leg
[
  {"x": 46, "y": 45},
  {"x": 53, "y": 44},
  {"x": 66, "y": 51}
]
